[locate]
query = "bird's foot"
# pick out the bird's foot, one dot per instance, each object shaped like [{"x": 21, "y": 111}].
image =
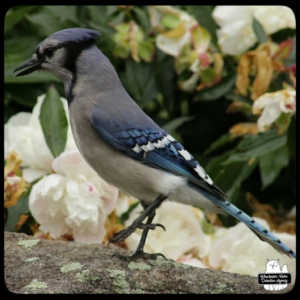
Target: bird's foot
[
  {"x": 138, "y": 254},
  {"x": 123, "y": 234}
]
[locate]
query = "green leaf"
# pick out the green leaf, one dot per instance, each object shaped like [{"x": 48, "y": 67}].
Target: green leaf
[
  {"x": 272, "y": 163},
  {"x": 174, "y": 124},
  {"x": 221, "y": 141},
  {"x": 215, "y": 167},
  {"x": 229, "y": 177},
  {"x": 120, "y": 51},
  {"x": 14, "y": 15},
  {"x": 14, "y": 212},
  {"x": 170, "y": 21},
  {"x": 259, "y": 140},
  {"x": 146, "y": 51},
  {"x": 203, "y": 14},
  {"x": 142, "y": 17},
  {"x": 218, "y": 90},
  {"x": 282, "y": 34},
  {"x": 125, "y": 216},
  {"x": 256, "y": 146},
  {"x": 54, "y": 122},
  {"x": 139, "y": 81},
  {"x": 47, "y": 23},
  {"x": 240, "y": 172},
  {"x": 259, "y": 31},
  {"x": 164, "y": 75},
  {"x": 208, "y": 75},
  {"x": 64, "y": 13},
  {"x": 98, "y": 13},
  {"x": 19, "y": 49}
]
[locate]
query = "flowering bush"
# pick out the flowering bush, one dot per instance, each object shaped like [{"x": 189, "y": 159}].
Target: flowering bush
[
  {"x": 74, "y": 201},
  {"x": 23, "y": 134},
  {"x": 222, "y": 80}
]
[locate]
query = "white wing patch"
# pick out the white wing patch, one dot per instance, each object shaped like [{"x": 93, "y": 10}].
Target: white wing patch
[
  {"x": 203, "y": 174},
  {"x": 170, "y": 138},
  {"x": 185, "y": 154},
  {"x": 137, "y": 148},
  {"x": 150, "y": 146}
]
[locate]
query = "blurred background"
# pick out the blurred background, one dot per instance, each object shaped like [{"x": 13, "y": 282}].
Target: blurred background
[{"x": 197, "y": 71}]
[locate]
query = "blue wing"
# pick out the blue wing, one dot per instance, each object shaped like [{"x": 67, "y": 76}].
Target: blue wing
[
  {"x": 153, "y": 146},
  {"x": 147, "y": 142}
]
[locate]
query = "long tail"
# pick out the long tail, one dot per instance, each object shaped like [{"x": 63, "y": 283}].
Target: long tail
[{"x": 258, "y": 229}]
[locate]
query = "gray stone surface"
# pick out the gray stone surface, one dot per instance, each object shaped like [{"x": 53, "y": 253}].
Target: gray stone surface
[{"x": 43, "y": 266}]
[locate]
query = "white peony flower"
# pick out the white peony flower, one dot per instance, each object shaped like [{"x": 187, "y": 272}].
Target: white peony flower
[
  {"x": 23, "y": 134},
  {"x": 236, "y": 34},
  {"x": 274, "y": 18},
  {"x": 74, "y": 201},
  {"x": 183, "y": 232},
  {"x": 224, "y": 15},
  {"x": 272, "y": 105},
  {"x": 240, "y": 251},
  {"x": 235, "y": 38},
  {"x": 171, "y": 41}
]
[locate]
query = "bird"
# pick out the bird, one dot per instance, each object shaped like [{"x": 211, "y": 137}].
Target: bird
[{"x": 123, "y": 144}]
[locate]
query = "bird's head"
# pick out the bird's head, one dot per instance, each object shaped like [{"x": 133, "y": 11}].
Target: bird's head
[{"x": 58, "y": 53}]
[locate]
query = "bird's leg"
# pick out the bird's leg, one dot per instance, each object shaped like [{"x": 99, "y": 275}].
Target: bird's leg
[
  {"x": 123, "y": 234},
  {"x": 149, "y": 210}
]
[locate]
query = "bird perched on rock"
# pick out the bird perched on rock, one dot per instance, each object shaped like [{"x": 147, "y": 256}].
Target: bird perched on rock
[{"x": 122, "y": 144}]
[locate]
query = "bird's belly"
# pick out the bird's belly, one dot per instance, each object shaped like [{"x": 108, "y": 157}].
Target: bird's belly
[{"x": 130, "y": 176}]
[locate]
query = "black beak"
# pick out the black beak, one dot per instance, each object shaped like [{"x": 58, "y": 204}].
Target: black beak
[{"x": 33, "y": 64}]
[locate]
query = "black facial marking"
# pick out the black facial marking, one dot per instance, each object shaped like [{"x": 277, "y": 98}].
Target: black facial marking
[{"x": 49, "y": 51}]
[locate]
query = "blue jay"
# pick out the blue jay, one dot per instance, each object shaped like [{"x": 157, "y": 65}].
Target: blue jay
[{"x": 122, "y": 144}]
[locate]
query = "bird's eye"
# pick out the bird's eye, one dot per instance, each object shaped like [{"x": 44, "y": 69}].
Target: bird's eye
[{"x": 49, "y": 51}]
